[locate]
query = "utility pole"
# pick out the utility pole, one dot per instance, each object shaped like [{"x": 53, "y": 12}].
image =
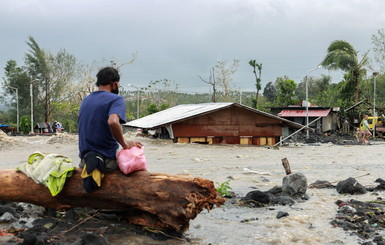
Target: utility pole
[
  {"x": 307, "y": 103},
  {"x": 31, "y": 95},
  {"x": 374, "y": 104}
]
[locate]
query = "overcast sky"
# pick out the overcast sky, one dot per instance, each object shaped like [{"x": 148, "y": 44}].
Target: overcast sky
[{"x": 180, "y": 40}]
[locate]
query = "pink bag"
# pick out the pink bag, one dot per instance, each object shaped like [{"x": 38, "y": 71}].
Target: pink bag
[{"x": 131, "y": 160}]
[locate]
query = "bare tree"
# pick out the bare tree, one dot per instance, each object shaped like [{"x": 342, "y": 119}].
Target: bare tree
[
  {"x": 224, "y": 73},
  {"x": 212, "y": 82}
]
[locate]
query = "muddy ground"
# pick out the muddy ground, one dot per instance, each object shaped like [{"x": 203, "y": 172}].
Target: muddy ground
[{"x": 331, "y": 157}]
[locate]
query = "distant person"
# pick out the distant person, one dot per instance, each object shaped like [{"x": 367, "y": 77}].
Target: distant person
[
  {"x": 366, "y": 130},
  {"x": 59, "y": 127},
  {"x": 100, "y": 132},
  {"x": 48, "y": 127},
  {"x": 54, "y": 127}
]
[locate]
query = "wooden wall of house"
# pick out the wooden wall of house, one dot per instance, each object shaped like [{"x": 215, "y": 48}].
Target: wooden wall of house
[{"x": 232, "y": 125}]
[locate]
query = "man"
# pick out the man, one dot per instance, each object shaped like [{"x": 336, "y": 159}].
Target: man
[
  {"x": 366, "y": 129},
  {"x": 100, "y": 117}
]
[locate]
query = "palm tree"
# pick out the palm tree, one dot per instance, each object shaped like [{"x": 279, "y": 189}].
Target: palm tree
[{"x": 342, "y": 56}]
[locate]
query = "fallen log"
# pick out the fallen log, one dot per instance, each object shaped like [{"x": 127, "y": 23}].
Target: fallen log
[{"x": 150, "y": 199}]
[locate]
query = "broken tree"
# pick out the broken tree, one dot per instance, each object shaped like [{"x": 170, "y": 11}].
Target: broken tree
[{"x": 150, "y": 199}]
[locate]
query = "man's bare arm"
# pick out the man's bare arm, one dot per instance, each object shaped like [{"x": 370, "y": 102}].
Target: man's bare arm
[{"x": 117, "y": 132}]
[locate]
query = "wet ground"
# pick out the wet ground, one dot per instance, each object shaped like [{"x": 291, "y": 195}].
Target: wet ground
[{"x": 248, "y": 168}]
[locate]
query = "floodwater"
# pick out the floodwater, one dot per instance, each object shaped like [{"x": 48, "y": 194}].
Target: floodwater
[{"x": 308, "y": 222}]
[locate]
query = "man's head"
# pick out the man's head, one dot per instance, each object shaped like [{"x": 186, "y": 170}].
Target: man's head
[
  {"x": 107, "y": 76},
  {"x": 366, "y": 116}
]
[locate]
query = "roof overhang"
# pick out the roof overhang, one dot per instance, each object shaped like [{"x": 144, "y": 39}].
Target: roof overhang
[
  {"x": 184, "y": 112},
  {"x": 302, "y": 113}
]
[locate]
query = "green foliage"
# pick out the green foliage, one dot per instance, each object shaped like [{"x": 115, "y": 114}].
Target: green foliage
[
  {"x": 151, "y": 109},
  {"x": 70, "y": 126},
  {"x": 342, "y": 56},
  {"x": 16, "y": 77},
  {"x": 255, "y": 65},
  {"x": 286, "y": 91},
  {"x": 224, "y": 188},
  {"x": 270, "y": 92},
  {"x": 6, "y": 117},
  {"x": 52, "y": 73},
  {"x": 25, "y": 124}
]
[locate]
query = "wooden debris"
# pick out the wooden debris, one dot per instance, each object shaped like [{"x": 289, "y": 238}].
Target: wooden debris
[
  {"x": 286, "y": 166},
  {"x": 150, "y": 199}
]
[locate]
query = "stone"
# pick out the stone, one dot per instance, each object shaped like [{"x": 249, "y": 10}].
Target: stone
[
  {"x": 294, "y": 184},
  {"x": 283, "y": 200},
  {"x": 258, "y": 197},
  {"x": 282, "y": 214},
  {"x": 7, "y": 217},
  {"x": 350, "y": 186},
  {"x": 91, "y": 239}
]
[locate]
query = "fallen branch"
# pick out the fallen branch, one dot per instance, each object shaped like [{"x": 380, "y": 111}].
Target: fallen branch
[
  {"x": 81, "y": 222},
  {"x": 149, "y": 199},
  {"x": 337, "y": 181}
]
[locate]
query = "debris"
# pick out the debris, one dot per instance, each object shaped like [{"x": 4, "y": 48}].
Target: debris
[
  {"x": 282, "y": 214},
  {"x": 321, "y": 184},
  {"x": 156, "y": 200},
  {"x": 364, "y": 219},
  {"x": 247, "y": 170},
  {"x": 5, "y": 139},
  {"x": 286, "y": 166},
  {"x": 63, "y": 138}
]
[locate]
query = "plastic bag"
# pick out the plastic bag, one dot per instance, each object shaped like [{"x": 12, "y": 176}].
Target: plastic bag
[{"x": 131, "y": 160}]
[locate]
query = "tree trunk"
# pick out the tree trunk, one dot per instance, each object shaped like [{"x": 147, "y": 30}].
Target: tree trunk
[{"x": 150, "y": 199}]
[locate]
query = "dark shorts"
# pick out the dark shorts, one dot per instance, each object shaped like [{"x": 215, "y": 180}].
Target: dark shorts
[{"x": 111, "y": 164}]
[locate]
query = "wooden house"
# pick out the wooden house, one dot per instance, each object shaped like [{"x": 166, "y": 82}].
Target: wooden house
[
  {"x": 216, "y": 123},
  {"x": 327, "y": 116}
]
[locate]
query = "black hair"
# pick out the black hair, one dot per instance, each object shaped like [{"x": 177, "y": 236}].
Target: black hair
[{"x": 107, "y": 75}]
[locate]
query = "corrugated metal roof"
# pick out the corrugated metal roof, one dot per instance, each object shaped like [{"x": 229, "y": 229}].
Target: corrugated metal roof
[
  {"x": 185, "y": 111},
  {"x": 302, "y": 113}
]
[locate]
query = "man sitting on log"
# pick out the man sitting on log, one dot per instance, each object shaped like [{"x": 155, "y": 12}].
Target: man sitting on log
[{"x": 100, "y": 116}]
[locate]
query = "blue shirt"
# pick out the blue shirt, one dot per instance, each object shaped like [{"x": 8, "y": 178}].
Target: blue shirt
[{"x": 94, "y": 132}]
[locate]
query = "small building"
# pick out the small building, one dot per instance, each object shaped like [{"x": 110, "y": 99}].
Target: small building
[
  {"x": 327, "y": 116},
  {"x": 215, "y": 123}
]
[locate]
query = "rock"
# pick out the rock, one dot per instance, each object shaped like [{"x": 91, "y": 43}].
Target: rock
[
  {"x": 320, "y": 184},
  {"x": 256, "y": 197},
  {"x": 32, "y": 240},
  {"x": 350, "y": 186},
  {"x": 283, "y": 200},
  {"x": 7, "y": 217},
  {"x": 379, "y": 180},
  {"x": 276, "y": 190},
  {"x": 6, "y": 209},
  {"x": 294, "y": 184},
  {"x": 282, "y": 214},
  {"x": 347, "y": 210},
  {"x": 91, "y": 239},
  {"x": 70, "y": 216},
  {"x": 349, "y": 226}
]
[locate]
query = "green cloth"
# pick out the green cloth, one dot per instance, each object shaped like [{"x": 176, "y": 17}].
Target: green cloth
[
  {"x": 50, "y": 170},
  {"x": 365, "y": 124}
]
